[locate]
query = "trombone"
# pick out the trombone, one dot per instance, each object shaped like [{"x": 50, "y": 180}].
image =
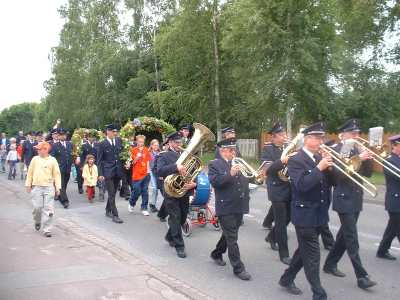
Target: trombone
[
  {"x": 379, "y": 159},
  {"x": 349, "y": 169}
]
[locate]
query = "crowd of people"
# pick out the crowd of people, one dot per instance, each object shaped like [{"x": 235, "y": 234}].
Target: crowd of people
[{"x": 301, "y": 187}]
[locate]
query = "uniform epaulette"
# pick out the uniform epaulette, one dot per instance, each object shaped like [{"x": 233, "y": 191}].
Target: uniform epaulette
[{"x": 164, "y": 151}]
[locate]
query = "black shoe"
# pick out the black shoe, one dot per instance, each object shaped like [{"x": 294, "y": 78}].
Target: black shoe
[
  {"x": 365, "y": 283},
  {"x": 163, "y": 220},
  {"x": 153, "y": 209},
  {"x": 273, "y": 245},
  {"x": 219, "y": 261},
  {"x": 47, "y": 234},
  {"x": 80, "y": 191},
  {"x": 37, "y": 226},
  {"x": 291, "y": 288},
  {"x": 117, "y": 220},
  {"x": 286, "y": 260},
  {"x": 387, "y": 256},
  {"x": 171, "y": 243},
  {"x": 66, "y": 205},
  {"x": 243, "y": 275},
  {"x": 181, "y": 253},
  {"x": 109, "y": 214},
  {"x": 334, "y": 272}
]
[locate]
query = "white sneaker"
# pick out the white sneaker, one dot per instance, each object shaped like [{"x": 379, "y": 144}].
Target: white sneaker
[
  {"x": 145, "y": 213},
  {"x": 130, "y": 208}
]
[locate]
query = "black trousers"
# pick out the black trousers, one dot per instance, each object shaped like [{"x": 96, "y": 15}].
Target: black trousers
[
  {"x": 307, "y": 255},
  {"x": 230, "y": 230},
  {"x": 177, "y": 210},
  {"x": 162, "y": 212},
  {"x": 125, "y": 184},
  {"x": 64, "y": 183},
  {"x": 347, "y": 240},
  {"x": 111, "y": 187},
  {"x": 392, "y": 230},
  {"x": 278, "y": 234},
  {"x": 269, "y": 218},
  {"x": 79, "y": 178},
  {"x": 327, "y": 236}
]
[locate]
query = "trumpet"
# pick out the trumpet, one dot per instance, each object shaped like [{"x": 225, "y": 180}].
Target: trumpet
[
  {"x": 349, "y": 167},
  {"x": 248, "y": 171},
  {"x": 378, "y": 158}
]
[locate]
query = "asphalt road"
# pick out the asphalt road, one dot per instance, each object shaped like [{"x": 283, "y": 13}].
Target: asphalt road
[{"x": 144, "y": 237}]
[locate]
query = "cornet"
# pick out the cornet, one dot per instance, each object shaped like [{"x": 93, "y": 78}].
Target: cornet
[{"x": 248, "y": 171}]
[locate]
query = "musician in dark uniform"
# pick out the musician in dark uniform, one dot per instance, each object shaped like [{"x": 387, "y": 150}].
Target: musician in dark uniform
[
  {"x": 177, "y": 208},
  {"x": 231, "y": 202},
  {"x": 110, "y": 168},
  {"x": 392, "y": 202},
  {"x": 278, "y": 191},
  {"x": 28, "y": 148},
  {"x": 162, "y": 212},
  {"x": 347, "y": 202},
  {"x": 228, "y": 133},
  {"x": 311, "y": 182},
  {"x": 185, "y": 132},
  {"x": 53, "y": 136},
  {"x": 62, "y": 151}
]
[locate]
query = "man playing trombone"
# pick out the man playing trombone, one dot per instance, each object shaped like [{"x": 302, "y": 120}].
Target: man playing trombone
[
  {"x": 347, "y": 202},
  {"x": 310, "y": 181},
  {"x": 392, "y": 202}
]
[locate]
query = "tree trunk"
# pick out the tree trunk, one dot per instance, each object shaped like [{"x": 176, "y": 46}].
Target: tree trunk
[
  {"x": 216, "y": 65},
  {"x": 157, "y": 75}
]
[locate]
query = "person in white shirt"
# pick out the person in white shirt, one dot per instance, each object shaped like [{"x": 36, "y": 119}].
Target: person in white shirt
[{"x": 12, "y": 160}]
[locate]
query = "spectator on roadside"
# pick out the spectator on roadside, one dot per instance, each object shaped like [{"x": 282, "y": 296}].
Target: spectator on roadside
[
  {"x": 12, "y": 160},
  {"x": 20, "y": 137},
  {"x": 3, "y": 156},
  {"x": 4, "y": 141},
  {"x": 43, "y": 181},
  {"x": 140, "y": 175},
  {"x": 21, "y": 163},
  {"x": 154, "y": 152}
]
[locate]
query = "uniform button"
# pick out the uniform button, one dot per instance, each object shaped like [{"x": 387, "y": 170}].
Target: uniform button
[
  {"x": 396, "y": 195},
  {"x": 322, "y": 201},
  {"x": 322, "y": 192},
  {"x": 301, "y": 205}
]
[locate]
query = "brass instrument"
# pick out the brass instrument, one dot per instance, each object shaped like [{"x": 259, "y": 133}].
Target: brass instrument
[
  {"x": 174, "y": 183},
  {"x": 248, "y": 171},
  {"x": 289, "y": 150},
  {"x": 349, "y": 167},
  {"x": 379, "y": 157}
]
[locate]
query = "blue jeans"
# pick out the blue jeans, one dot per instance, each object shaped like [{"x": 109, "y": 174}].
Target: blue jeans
[
  {"x": 13, "y": 169},
  {"x": 154, "y": 189},
  {"x": 140, "y": 188}
]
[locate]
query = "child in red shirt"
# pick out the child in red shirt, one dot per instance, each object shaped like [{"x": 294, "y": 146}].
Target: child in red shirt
[{"x": 140, "y": 160}]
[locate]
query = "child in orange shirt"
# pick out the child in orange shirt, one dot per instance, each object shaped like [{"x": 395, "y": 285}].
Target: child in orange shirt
[{"x": 140, "y": 175}]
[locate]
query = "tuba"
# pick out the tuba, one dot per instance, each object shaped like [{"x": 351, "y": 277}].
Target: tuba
[
  {"x": 290, "y": 149},
  {"x": 248, "y": 171},
  {"x": 174, "y": 183}
]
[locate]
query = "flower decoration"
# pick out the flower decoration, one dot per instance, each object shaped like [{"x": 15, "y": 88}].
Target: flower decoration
[
  {"x": 79, "y": 135},
  {"x": 141, "y": 124}
]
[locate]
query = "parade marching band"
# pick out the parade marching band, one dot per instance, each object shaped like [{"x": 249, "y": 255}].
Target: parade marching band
[{"x": 303, "y": 179}]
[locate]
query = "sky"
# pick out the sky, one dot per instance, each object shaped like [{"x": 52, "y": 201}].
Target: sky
[{"x": 28, "y": 31}]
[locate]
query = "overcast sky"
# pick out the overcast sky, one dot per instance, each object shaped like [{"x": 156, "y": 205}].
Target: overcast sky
[{"x": 28, "y": 30}]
